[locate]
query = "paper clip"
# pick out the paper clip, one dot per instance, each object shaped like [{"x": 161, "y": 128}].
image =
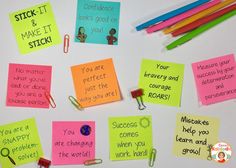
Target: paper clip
[
  {"x": 209, "y": 150},
  {"x": 75, "y": 102},
  {"x": 50, "y": 99},
  {"x": 138, "y": 94},
  {"x": 152, "y": 157},
  {"x": 92, "y": 162},
  {"x": 44, "y": 163},
  {"x": 66, "y": 43}
]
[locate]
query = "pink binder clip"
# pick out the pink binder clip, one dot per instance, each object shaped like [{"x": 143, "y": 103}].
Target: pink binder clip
[
  {"x": 44, "y": 163},
  {"x": 137, "y": 94}
]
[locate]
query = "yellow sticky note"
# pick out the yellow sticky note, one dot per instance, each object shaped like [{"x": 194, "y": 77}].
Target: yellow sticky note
[
  {"x": 20, "y": 141},
  {"x": 130, "y": 137},
  {"x": 161, "y": 82},
  {"x": 193, "y": 134},
  {"x": 35, "y": 28},
  {"x": 95, "y": 83}
]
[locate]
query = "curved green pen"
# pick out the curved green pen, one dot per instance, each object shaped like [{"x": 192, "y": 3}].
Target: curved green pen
[{"x": 199, "y": 30}]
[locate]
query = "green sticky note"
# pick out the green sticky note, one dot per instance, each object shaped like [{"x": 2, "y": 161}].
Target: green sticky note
[
  {"x": 19, "y": 140},
  {"x": 35, "y": 28},
  {"x": 130, "y": 137},
  {"x": 161, "y": 82},
  {"x": 193, "y": 134}
]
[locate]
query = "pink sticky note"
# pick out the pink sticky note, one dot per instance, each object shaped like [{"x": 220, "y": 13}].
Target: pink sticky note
[
  {"x": 73, "y": 142},
  {"x": 215, "y": 79},
  {"x": 27, "y": 85}
]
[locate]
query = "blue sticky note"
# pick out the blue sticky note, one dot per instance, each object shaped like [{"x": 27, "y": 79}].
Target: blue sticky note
[{"x": 97, "y": 22}]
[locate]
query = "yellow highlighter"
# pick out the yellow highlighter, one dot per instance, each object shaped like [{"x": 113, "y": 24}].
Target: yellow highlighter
[{"x": 198, "y": 16}]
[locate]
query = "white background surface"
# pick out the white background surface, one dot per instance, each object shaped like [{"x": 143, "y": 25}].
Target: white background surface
[{"x": 127, "y": 56}]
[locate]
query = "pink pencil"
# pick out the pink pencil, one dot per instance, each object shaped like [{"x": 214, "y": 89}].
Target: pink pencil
[{"x": 180, "y": 17}]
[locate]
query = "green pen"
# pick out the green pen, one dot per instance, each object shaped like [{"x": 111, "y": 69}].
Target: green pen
[{"x": 199, "y": 30}]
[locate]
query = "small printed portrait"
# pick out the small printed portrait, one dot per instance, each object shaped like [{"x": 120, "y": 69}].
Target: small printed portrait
[
  {"x": 111, "y": 39},
  {"x": 221, "y": 157},
  {"x": 81, "y": 35}
]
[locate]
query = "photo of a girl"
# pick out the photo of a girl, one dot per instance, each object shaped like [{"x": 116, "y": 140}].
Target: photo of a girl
[{"x": 81, "y": 35}]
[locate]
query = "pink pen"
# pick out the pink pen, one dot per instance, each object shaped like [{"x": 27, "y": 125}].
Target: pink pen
[{"x": 180, "y": 17}]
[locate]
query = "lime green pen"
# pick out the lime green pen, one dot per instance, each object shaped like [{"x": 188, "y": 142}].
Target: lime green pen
[{"x": 199, "y": 30}]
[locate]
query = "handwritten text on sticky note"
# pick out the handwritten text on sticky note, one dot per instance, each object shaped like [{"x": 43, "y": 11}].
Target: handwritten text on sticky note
[
  {"x": 73, "y": 142},
  {"x": 22, "y": 140},
  {"x": 130, "y": 137},
  {"x": 161, "y": 82},
  {"x": 215, "y": 79},
  {"x": 27, "y": 85},
  {"x": 193, "y": 134},
  {"x": 95, "y": 83},
  {"x": 35, "y": 28},
  {"x": 97, "y": 22}
]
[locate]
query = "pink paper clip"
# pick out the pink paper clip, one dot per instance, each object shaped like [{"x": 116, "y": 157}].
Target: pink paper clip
[
  {"x": 138, "y": 94},
  {"x": 50, "y": 99},
  {"x": 44, "y": 163},
  {"x": 66, "y": 43}
]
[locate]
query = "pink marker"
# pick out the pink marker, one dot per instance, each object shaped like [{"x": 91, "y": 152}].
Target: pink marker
[{"x": 180, "y": 17}]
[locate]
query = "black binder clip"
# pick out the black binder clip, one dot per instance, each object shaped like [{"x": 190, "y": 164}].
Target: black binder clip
[
  {"x": 44, "y": 163},
  {"x": 137, "y": 94}
]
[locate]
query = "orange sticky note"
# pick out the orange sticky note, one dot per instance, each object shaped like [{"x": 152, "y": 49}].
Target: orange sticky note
[{"x": 95, "y": 83}]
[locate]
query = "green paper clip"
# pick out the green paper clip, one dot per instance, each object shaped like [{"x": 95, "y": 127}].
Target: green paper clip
[
  {"x": 75, "y": 102},
  {"x": 209, "y": 157},
  {"x": 92, "y": 162},
  {"x": 152, "y": 157}
]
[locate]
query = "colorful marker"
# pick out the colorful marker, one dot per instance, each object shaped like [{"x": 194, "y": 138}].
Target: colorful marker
[
  {"x": 199, "y": 16},
  {"x": 180, "y": 17},
  {"x": 203, "y": 21},
  {"x": 171, "y": 14},
  {"x": 199, "y": 30}
]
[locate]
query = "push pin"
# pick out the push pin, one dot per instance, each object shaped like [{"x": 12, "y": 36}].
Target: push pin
[
  {"x": 85, "y": 130},
  {"x": 44, "y": 163},
  {"x": 137, "y": 94}
]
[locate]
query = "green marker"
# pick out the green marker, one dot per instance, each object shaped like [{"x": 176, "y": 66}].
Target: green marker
[{"x": 199, "y": 30}]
